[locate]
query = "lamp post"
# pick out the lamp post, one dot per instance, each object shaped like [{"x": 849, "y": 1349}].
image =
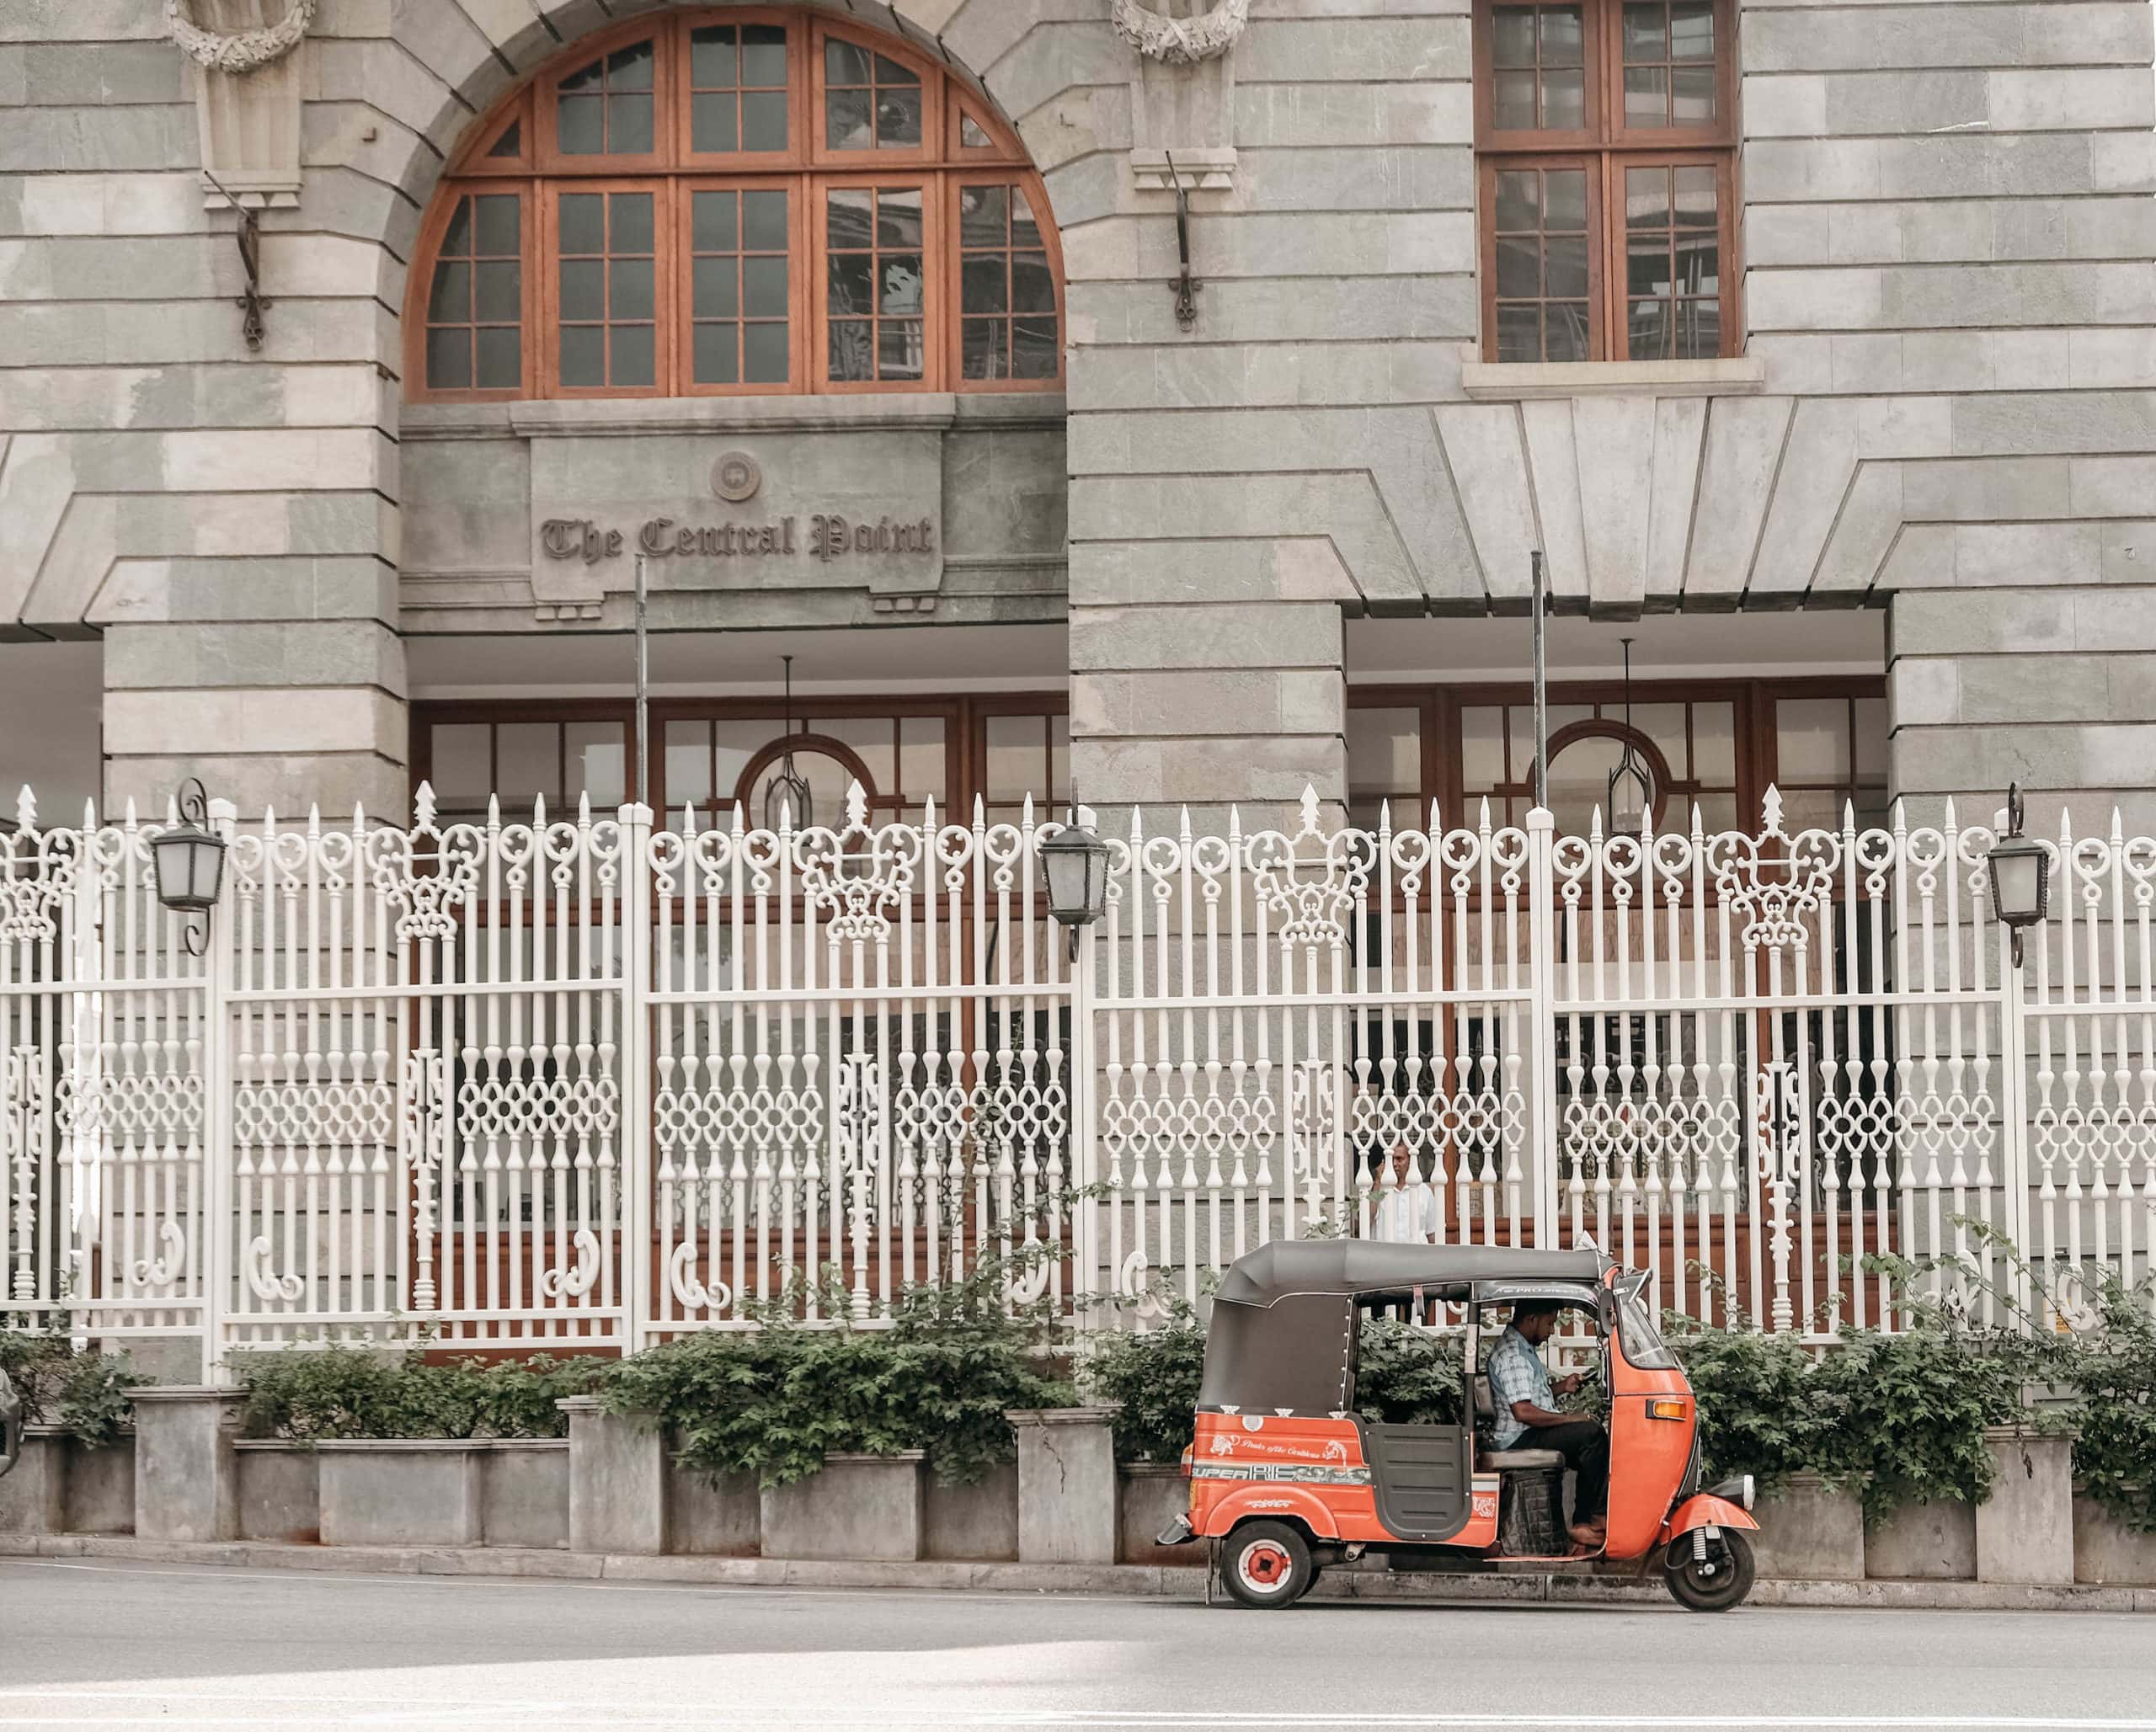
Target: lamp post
[
  {"x": 188, "y": 860},
  {"x": 2020, "y": 876},
  {"x": 1076, "y": 861}
]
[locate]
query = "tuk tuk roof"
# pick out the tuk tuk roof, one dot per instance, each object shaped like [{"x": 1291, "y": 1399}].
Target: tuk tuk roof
[{"x": 1347, "y": 1266}]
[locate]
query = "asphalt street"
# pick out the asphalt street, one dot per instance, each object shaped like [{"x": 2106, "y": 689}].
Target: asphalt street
[{"x": 119, "y": 1643}]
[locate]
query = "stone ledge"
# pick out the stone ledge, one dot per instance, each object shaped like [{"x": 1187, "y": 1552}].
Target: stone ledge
[
  {"x": 1520, "y": 381},
  {"x": 1152, "y": 1581},
  {"x": 867, "y": 411}
]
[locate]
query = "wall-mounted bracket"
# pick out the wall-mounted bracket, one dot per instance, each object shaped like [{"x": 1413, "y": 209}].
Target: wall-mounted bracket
[
  {"x": 253, "y": 303},
  {"x": 1185, "y": 285}
]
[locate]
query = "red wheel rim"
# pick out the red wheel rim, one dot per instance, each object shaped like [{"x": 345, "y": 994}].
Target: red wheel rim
[{"x": 1266, "y": 1566}]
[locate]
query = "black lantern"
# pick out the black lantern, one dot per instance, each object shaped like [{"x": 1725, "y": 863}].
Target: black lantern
[
  {"x": 189, "y": 861},
  {"x": 2020, "y": 876},
  {"x": 1076, "y": 862}
]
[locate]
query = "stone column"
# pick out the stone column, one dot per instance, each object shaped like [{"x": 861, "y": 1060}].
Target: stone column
[
  {"x": 186, "y": 1472},
  {"x": 34, "y": 1492},
  {"x": 617, "y": 1480},
  {"x": 2025, "y": 1529},
  {"x": 1066, "y": 1484}
]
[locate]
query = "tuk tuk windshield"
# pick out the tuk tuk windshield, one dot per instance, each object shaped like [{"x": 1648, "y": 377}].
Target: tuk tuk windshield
[{"x": 1644, "y": 1347}]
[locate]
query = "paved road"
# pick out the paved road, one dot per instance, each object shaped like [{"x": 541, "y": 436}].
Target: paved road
[{"x": 120, "y": 1644}]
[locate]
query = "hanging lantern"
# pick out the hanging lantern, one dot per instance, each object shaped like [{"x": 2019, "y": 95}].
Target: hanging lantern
[
  {"x": 189, "y": 860},
  {"x": 1631, "y": 793},
  {"x": 788, "y": 793},
  {"x": 1076, "y": 862},
  {"x": 2020, "y": 868}
]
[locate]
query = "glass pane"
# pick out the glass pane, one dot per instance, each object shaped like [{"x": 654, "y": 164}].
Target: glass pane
[
  {"x": 984, "y": 285},
  {"x": 716, "y": 357},
  {"x": 769, "y": 356},
  {"x": 1698, "y": 263},
  {"x": 921, "y": 757},
  {"x": 1813, "y": 739},
  {"x": 1481, "y": 749},
  {"x": 500, "y": 220},
  {"x": 763, "y": 121},
  {"x": 1032, "y": 346},
  {"x": 598, "y": 763},
  {"x": 1564, "y": 331},
  {"x": 1692, "y": 30},
  {"x": 763, "y": 54},
  {"x": 1565, "y": 266},
  {"x": 713, "y": 122},
  {"x": 1564, "y": 191},
  {"x": 583, "y": 295},
  {"x": 527, "y": 757},
  {"x": 763, "y": 283},
  {"x": 1519, "y": 200},
  {"x": 630, "y": 214},
  {"x": 632, "y": 355},
  {"x": 1648, "y": 333},
  {"x": 971, "y": 138},
  {"x": 900, "y": 353},
  {"x": 456, "y": 238},
  {"x": 511, "y": 142},
  {"x": 1698, "y": 329},
  {"x": 1025, "y": 232},
  {"x": 848, "y": 214},
  {"x": 1814, "y": 810},
  {"x": 890, "y": 72},
  {"x": 1647, "y": 266},
  {"x": 580, "y": 125},
  {"x": 714, "y": 221},
  {"x": 898, "y": 217},
  {"x": 1695, "y": 196},
  {"x": 764, "y": 221},
  {"x": 983, "y": 216},
  {"x": 449, "y": 359},
  {"x": 1714, "y": 744},
  {"x": 848, "y": 282},
  {"x": 734, "y": 744},
  {"x": 450, "y": 299},
  {"x": 629, "y": 288},
  {"x": 1579, "y": 782},
  {"x": 582, "y": 215},
  {"x": 1519, "y": 333},
  {"x": 1512, "y": 36},
  {"x": 591, "y": 77},
  {"x": 981, "y": 348},
  {"x": 901, "y": 284},
  {"x": 1519, "y": 275},
  {"x": 714, "y": 58},
  {"x": 584, "y": 354},
  {"x": 501, "y": 358},
  {"x": 630, "y": 68},
  {"x": 845, "y": 120},
  {"x": 1871, "y": 739},
  {"x": 1385, "y": 754},
  {"x": 1017, "y": 756},
  {"x": 1564, "y": 101},
  {"x": 1562, "y": 37},
  {"x": 844, "y": 63},
  {"x": 851, "y": 352},
  {"x": 717, "y": 288},
  {"x": 1059, "y": 756},
  {"x": 1513, "y": 102},
  {"x": 898, "y": 119},
  {"x": 628, "y": 126},
  {"x": 874, "y": 738},
  {"x": 688, "y": 763},
  {"x": 1646, "y": 197},
  {"x": 1646, "y": 33},
  {"x": 1646, "y": 96},
  {"x": 1692, "y": 96},
  {"x": 459, "y": 775},
  {"x": 1032, "y": 285}
]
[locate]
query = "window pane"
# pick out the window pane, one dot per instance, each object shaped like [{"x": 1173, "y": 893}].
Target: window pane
[
  {"x": 1017, "y": 756},
  {"x": 1647, "y": 266},
  {"x": 714, "y": 121},
  {"x": 763, "y": 54},
  {"x": 527, "y": 755},
  {"x": 1696, "y": 196},
  {"x": 1513, "y": 101},
  {"x": 1512, "y": 36},
  {"x": 898, "y": 217},
  {"x": 630, "y": 215},
  {"x": 1385, "y": 754},
  {"x": 1565, "y": 267},
  {"x": 1648, "y": 333},
  {"x": 1692, "y": 96},
  {"x": 629, "y": 293},
  {"x": 582, "y": 222},
  {"x": 1564, "y": 100},
  {"x": 448, "y": 360},
  {"x": 873, "y": 738},
  {"x": 1562, "y": 38},
  {"x": 1481, "y": 749},
  {"x": 456, "y": 238},
  {"x": 846, "y": 121},
  {"x": 1692, "y": 30},
  {"x": 845, "y": 62},
  {"x": 1698, "y": 329},
  {"x": 850, "y": 286},
  {"x": 459, "y": 775},
  {"x": 985, "y": 216},
  {"x": 1813, "y": 739},
  {"x": 714, "y": 221},
  {"x": 501, "y": 358},
  {"x": 598, "y": 763},
  {"x": 500, "y": 223},
  {"x": 898, "y": 117},
  {"x": 450, "y": 301},
  {"x": 1564, "y": 331},
  {"x": 1646, "y": 197},
  {"x": 633, "y": 360},
  {"x": 764, "y": 221},
  {"x": 628, "y": 126},
  {"x": 511, "y": 144},
  {"x": 1520, "y": 273},
  {"x": 583, "y": 289},
  {"x": 971, "y": 138},
  {"x": 770, "y": 357},
  {"x": 1033, "y": 348},
  {"x": 580, "y": 125},
  {"x": 1647, "y": 33},
  {"x": 763, "y": 282},
  {"x": 921, "y": 757},
  {"x": 714, "y": 57},
  {"x": 984, "y": 285},
  {"x": 852, "y": 354},
  {"x": 583, "y": 356},
  {"x": 688, "y": 764},
  {"x": 1698, "y": 256},
  {"x": 763, "y": 121},
  {"x": 1519, "y": 333},
  {"x": 1565, "y": 192},
  {"x": 586, "y": 78},
  {"x": 1714, "y": 744},
  {"x": 1646, "y": 96},
  {"x": 630, "y": 68},
  {"x": 1519, "y": 200},
  {"x": 716, "y": 357},
  {"x": 981, "y": 348}
]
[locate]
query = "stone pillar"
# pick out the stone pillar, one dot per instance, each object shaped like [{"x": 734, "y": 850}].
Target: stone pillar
[
  {"x": 617, "y": 1480},
  {"x": 2025, "y": 1529},
  {"x": 186, "y": 1471},
  {"x": 1066, "y": 1484},
  {"x": 1808, "y": 1532},
  {"x": 34, "y": 1492}
]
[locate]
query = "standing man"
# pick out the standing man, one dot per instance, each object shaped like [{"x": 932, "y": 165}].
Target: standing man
[
  {"x": 1526, "y": 1403},
  {"x": 1404, "y": 1210}
]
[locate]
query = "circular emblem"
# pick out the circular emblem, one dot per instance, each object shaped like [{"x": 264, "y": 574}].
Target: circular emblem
[{"x": 736, "y": 477}]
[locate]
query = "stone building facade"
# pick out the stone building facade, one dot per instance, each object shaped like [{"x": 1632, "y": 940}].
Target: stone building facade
[{"x": 1862, "y": 461}]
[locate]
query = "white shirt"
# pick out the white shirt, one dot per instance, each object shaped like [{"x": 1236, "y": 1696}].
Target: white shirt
[{"x": 1404, "y": 1214}]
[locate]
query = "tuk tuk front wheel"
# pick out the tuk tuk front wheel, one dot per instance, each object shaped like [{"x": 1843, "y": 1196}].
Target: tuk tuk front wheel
[
  {"x": 1266, "y": 1564},
  {"x": 1714, "y": 1583}
]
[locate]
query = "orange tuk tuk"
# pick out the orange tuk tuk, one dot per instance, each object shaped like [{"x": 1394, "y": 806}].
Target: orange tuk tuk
[{"x": 1288, "y": 1478}]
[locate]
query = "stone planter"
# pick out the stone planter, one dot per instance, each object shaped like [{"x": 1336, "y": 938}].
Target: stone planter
[
  {"x": 186, "y": 1471},
  {"x": 2106, "y": 1550},
  {"x": 975, "y": 1524},
  {"x": 524, "y": 1492},
  {"x": 2025, "y": 1529},
  {"x": 864, "y": 1507},
  {"x": 1808, "y": 1532},
  {"x": 617, "y": 1480},
  {"x": 1934, "y": 1542},
  {"x": 401, "y": 1491},
  {"x": 1152, "y": 1494},
  {"x": 1067, "y": 1490},
  {"x": 279, "y": 1491},
  {"x": 724, "y": 1519},
  {"x": 34, "y": 1496},
  {"x": 101, "y": 1487}
]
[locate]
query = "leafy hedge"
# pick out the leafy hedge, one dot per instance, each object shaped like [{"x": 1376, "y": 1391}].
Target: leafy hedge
[
  {"x": 313, "y": 1396},
  {"x": 2112, "y": 1370},
  {"x": 84, "y": 1393}
]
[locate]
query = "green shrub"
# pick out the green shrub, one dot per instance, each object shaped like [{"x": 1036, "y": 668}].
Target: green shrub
[
  {"x": 310, "y": 1395},
  {"x": 83, "y": 1393},
  {"x": 1407, "y": 1376},
  {"x": 1909, "y": 1410},
  {"x": 2112, "y": 1370},
  {"x": 1155, "y": 1377},
  {"x": 772, "y": 1402},
  {"x": 1758, "y": 1413}
]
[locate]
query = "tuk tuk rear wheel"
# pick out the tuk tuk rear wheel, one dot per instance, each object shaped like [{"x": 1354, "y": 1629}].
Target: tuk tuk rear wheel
[
  {"x": 1719, "y": 1582},
  {"x": 1266, "y": 1564}
]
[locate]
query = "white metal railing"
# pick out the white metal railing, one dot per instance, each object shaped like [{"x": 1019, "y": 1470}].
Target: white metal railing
[{"x": 585, "y": 1081}]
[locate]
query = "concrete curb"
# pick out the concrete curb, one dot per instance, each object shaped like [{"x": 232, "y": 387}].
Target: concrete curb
[{"x": 1134, "y": 1579}]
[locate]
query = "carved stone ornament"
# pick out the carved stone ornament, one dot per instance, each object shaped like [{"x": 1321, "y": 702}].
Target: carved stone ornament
[
  {"x": 238, "y": 51},
  {"x": 1181, "y": 42}
]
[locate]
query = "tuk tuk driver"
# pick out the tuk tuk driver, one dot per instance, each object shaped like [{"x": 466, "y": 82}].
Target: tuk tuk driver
[{"x": 1525, "y": 1402}]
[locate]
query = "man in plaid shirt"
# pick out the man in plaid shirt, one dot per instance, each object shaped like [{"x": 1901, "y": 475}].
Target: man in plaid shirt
[{"x": 1526, "y": 1417}]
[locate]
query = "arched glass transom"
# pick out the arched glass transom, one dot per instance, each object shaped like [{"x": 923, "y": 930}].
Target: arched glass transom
[{"x": 744, "y": 202}]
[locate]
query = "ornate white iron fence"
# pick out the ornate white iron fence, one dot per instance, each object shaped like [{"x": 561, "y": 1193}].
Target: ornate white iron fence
[{"x": 581, "y": 1081}]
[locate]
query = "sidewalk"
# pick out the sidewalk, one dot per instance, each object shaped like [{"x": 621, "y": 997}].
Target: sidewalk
[{"x": 1136, "y": 1580}]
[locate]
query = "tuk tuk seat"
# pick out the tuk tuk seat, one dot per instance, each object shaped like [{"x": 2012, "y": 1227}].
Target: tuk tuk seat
[{"x": 1500, "y": 1461}]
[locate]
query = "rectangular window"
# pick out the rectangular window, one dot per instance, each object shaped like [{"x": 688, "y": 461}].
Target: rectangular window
[
  {"x": 607, "y": 323},
  {"x": 1607, "y": 139},
  {"x": 875, "y": 283},
  {"x": 740, "y": 286},
  {"x": 607, "y": 107},
  {"x": 475, "y": 303},
  {"x": 738, "y": 93},
  {"x": 1007, "y": 289}
]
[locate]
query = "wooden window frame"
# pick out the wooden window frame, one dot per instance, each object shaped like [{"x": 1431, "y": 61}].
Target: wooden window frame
[
  {"x": 943, "y": 166},
  {"x": 1606, "y": 147}
]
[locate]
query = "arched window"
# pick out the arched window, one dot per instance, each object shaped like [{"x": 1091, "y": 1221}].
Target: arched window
[{"x": 732, "y": 202}]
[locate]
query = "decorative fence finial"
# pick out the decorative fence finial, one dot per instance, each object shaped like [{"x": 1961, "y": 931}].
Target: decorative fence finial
[
  {"x": 1181, "y": 42},
  {"x": 238, "y": 51}
]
